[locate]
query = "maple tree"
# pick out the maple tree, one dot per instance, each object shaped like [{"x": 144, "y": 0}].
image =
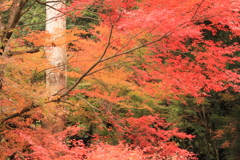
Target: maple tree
[{"x": 147, "y": 50}]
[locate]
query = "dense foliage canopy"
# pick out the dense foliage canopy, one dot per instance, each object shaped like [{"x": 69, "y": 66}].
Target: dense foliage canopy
[{"x": 147, "y": 79}]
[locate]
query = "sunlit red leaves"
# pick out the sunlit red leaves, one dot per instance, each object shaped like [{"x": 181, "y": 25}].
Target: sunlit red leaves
[
  {"x": 182, "y": 75},
  {"x": 151, "y": 134},
  {"x": 151, "y": 22},
  {"x": 107, "y": 75},
  {"x": 41, "y": 144},
  {"x": 76, "y": 7},
  {"x": 162, "y": 69},
  {"x": 86, "y": 52},
  {"x": 115, "y": 152},
  {"x": 188, "y": 82}
]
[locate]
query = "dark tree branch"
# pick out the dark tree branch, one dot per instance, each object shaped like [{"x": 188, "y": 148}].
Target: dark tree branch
[
  {"x": 45, "y": 3},
  {"x": 26, "y": 109},
  {"x": 28, "y": 9},
  {"x": 88, "y": 72},
  {"x": 197, "y": 9},
  {"x": 15, "y": 13},
  {"x": 12, "y": 53},
  {"x": 111, "y": 57},
  {"x": 92, "y": 67}
]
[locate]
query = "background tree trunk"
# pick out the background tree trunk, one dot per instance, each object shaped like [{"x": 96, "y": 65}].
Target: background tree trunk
[{"x": 56, "y": 79}]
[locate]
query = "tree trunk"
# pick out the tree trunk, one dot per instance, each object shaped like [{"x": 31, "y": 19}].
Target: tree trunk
[
  {"x": 56, "y": 79},
  {"x": 7, "y": 26}
]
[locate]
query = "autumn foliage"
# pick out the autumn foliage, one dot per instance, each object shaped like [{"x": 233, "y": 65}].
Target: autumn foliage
[
  {"x": 148, "y": 135},
  {"x": 139, "y": 52}
]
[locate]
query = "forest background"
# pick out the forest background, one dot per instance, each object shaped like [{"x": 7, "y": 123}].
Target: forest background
[{"x": 139, "y": 80}]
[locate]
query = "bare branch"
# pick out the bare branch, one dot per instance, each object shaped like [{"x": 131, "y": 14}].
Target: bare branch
[
  {"x": 22, "y": 52},
  {"x": 114, "y": 65},
  {"x": 26, "y": 109},
  {"x": 93, "y": 108},
  {"x": 27, "y": 10},
  {"x": 197, "y": 9},
  {"x": 139, "y": 47},
  {"x": 93, "y": 66},
  {"x": 45, "y": 3}
]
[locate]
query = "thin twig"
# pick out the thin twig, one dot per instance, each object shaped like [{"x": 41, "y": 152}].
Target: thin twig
[
  {"x": 92, "y": 67},
  {"x": 197, "y": 9},
  {"x": 93, "y": 108}
]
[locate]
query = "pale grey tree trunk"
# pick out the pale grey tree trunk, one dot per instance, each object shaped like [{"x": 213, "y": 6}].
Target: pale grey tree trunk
[{"x": 56, "y": 78}]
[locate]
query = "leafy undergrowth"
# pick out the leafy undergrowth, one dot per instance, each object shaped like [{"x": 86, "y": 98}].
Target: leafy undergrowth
[{"x": 143, "y": 138}]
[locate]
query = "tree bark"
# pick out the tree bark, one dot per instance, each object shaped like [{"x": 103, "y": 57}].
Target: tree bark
[
  {"x": 6, "y": 29},
  {"x": 2, "y": 68},
  {"x": 56, "y": 79}
]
